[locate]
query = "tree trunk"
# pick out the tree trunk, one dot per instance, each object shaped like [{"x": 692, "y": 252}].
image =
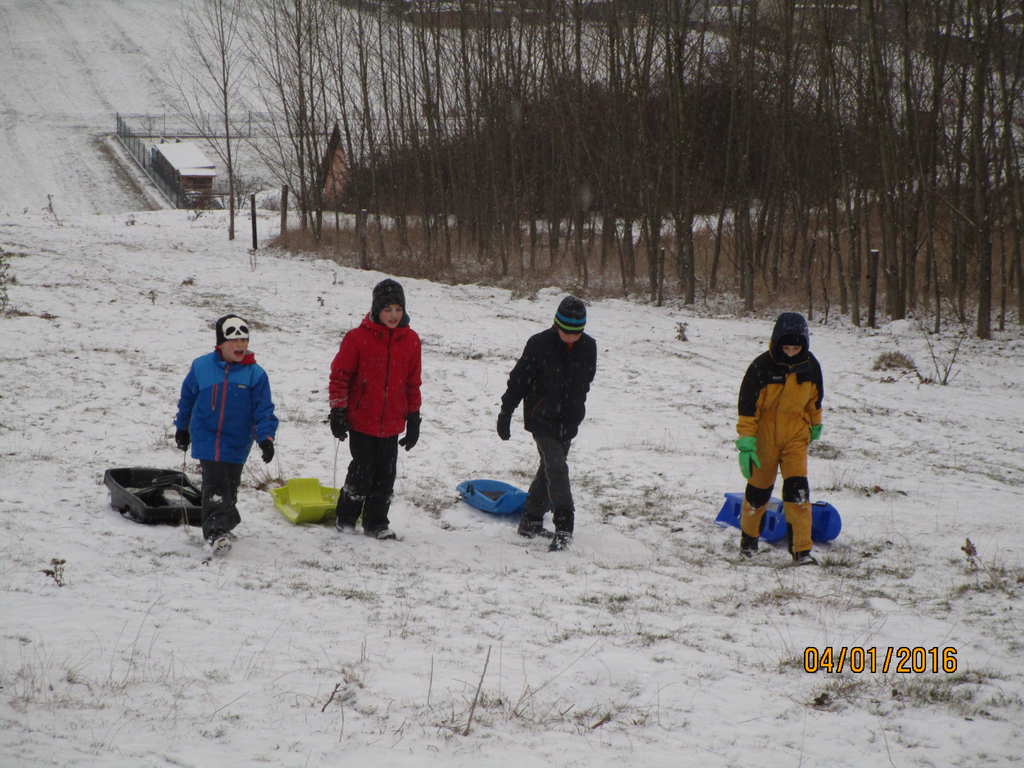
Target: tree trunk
[{"x": 873, "y": 257}]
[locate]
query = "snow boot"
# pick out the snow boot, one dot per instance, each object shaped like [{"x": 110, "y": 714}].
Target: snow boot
[
  {"x": 748, "y": 545},
  {"x": 804, "y": 558},
  {"x": 375, "y": 517},
  {"x": 560, "y": 541},
  {"x": 220, "y": 544},
  {"x": 529, "y": 529}
]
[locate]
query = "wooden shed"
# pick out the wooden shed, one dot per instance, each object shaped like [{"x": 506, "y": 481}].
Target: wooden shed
[{"x": 183, "y": 166}]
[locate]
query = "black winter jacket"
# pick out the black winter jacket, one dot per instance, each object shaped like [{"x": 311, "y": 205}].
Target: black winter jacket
[{"x": 553, "y": 380}]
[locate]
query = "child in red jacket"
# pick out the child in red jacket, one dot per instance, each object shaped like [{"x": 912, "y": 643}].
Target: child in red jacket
[{"x": 374, "y": 394}]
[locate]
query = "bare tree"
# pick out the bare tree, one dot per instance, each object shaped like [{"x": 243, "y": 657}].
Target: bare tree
[
  {"x": 816, "y": 131},
  {"x": 1010, "y": 72},
  {"x": 286, "y": 40},
  {"x": 981, "y": 18},
  {"x": 214, "y": 72}
]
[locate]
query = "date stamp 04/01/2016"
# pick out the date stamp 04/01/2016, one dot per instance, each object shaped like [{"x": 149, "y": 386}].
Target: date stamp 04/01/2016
[{"x": 902, "y": 660}]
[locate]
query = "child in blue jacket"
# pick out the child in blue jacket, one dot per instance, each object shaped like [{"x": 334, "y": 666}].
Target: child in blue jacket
[{"x": 225, "y": 404}]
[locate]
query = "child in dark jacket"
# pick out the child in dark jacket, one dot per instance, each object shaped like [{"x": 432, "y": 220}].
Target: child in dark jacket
[
  {"x": 225, "y": 404},
  {"x": 374, "y": 394},
  {"x": 553, "y": 377},
  {"x": 779, "y": 415}
]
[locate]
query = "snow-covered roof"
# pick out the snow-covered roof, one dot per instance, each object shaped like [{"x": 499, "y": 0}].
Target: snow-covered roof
[{"x": 186, "y": 158}]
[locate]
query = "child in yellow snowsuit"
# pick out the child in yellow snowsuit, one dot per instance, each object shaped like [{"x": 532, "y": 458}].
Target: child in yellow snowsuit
[{"x": 779, "y": 416}]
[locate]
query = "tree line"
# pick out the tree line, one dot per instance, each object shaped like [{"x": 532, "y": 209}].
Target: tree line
[{"x": 860, "y": 157}]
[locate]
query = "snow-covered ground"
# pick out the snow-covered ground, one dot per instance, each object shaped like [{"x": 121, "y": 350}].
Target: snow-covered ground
[{"x": 647, "y": 644}]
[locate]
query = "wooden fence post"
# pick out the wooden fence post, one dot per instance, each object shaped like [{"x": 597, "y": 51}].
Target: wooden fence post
[
  {"x": 364, "y": 261},
  {"x": 252, "y": 204},
  {"x": 284, "y": 209}
]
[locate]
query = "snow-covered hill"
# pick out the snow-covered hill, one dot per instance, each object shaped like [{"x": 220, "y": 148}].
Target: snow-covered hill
[{"x": 67, "y": 69}]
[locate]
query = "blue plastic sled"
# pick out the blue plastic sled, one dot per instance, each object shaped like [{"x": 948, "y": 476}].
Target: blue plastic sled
[
  {"x": 825, "y": 520},
  {"x": 492, "y": 496}
]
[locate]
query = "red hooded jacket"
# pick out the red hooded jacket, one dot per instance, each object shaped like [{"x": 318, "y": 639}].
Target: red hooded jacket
[{"x": 376, "y": 377}]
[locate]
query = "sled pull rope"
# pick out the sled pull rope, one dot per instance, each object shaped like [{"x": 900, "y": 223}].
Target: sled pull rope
[
  {"x": 334, "y": 477},
  {"x": 184, "y": 501}
]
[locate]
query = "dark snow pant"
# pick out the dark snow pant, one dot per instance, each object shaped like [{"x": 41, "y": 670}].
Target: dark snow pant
[
  {"x": 220, "y": 493},
  {"x": 550, "y": 487},
  {"x": 370, "y": 481}
]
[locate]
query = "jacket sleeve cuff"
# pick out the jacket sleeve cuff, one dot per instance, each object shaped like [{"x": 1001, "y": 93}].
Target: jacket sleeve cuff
[{"x": 746, "y": 426}]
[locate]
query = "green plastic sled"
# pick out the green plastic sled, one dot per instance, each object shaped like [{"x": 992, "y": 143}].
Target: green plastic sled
[{"x": 304, "y": 500}]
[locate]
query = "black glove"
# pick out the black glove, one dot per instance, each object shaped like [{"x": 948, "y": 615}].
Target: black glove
[
  {"x": 267, "y": 446},
  {"x": 504, "y": 425},
  {"x": 339, "y": 423},
  {"x": 412, "y": 431},
  {"x": 182, "y": 439}
]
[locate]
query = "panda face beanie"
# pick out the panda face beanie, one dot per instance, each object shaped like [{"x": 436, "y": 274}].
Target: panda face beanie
[
  {"x": 571, "y": 316},
  {"x": 231, "y": 328}
]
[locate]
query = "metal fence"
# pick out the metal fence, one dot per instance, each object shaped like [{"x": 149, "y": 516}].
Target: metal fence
[
  {"x": 248, "y": 125},
  {"x": 139, "y": 132},
  {"x": 139, "y": 149}
]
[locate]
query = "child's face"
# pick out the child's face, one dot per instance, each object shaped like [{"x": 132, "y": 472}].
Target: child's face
[
  {"x": 791, "y": 350},
  {"x": 569, "y": 338},
  {"x": 234, "y": 350},
  {"x": 391, "y": 315}
]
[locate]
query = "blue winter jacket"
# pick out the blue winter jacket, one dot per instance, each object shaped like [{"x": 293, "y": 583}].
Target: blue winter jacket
[{"x": 225, "y": 406}]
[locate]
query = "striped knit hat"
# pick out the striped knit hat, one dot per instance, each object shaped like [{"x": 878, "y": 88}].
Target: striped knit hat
[{"x": 571, "y": 315}]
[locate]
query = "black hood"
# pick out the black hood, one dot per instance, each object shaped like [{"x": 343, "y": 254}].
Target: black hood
[{"x": 790, "y": 324}]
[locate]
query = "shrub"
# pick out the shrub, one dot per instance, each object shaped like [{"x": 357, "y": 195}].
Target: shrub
[{"x": 889, "y": 361}]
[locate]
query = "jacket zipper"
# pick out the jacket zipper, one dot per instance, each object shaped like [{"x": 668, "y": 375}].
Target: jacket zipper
[
  {"x": 220, "y": 416},
  {"x": 387, "y": 378}
]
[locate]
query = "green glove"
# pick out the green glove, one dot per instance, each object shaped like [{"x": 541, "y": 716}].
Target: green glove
[
  {"x": 815, "y": 432},
  {"x": 747, "y": 446}
]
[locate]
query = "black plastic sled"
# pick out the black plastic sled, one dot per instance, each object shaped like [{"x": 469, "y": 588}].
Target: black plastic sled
[{"x": 154, "y": 496}]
